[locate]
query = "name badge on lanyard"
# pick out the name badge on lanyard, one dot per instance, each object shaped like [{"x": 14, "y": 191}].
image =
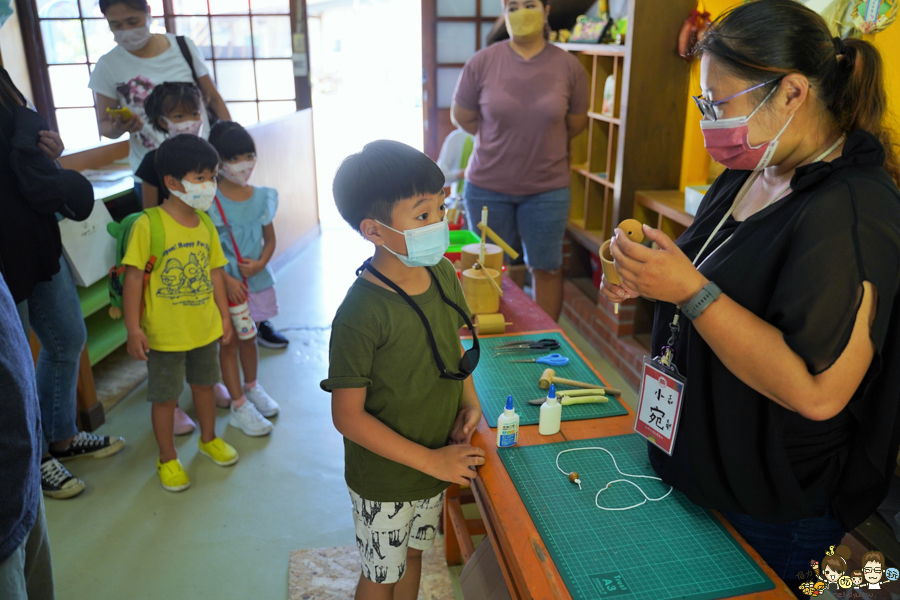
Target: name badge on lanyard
[{"x": 659, "y": 406}]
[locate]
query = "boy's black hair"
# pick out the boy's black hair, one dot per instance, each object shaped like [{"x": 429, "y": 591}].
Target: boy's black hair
[
  {"x": 135, "y": 4},
  {"x": 368, "y": 184},
  {"x": 168, "y": 96},
  {"x": 183, "y": 154},
  {"x": 230, "y": 140}
]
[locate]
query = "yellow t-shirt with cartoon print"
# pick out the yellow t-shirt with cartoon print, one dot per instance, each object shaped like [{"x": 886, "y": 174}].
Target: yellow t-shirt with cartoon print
[{"x": 180, "y": 312}]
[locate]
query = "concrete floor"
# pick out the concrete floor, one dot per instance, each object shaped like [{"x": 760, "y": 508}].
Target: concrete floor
[{"x": 229, "y": 535}]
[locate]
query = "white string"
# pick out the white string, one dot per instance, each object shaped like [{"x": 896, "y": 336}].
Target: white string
[{"x": 616, "y": 465}]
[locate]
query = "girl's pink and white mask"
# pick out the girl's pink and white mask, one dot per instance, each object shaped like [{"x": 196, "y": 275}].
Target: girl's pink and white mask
[
  {"x": 239, "y": 172},
  {"x": 190, "y": 127}
]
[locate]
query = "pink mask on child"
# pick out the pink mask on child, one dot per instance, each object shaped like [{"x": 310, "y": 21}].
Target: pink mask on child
[
  {"x": 239, "y": 172},
  {"x": 727, "y": 141},
  {"x": 191, "y": 127}
]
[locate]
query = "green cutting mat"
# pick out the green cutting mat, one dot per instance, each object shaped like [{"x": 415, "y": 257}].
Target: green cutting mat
[
  {"x": 666, "y": 549},
  {"x": 497, "y": 378}
]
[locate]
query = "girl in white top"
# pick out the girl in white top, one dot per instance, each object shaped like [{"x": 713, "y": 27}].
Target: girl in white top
[{"x": 125, "y": 76}]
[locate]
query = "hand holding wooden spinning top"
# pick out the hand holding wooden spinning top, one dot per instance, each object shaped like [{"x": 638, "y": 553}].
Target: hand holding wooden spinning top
[
  {"x": 664, "y": 274},
  {"x": 612, "y": 280}
]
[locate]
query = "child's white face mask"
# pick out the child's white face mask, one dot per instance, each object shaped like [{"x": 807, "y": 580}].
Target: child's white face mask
[
  {"x": 197, "y": 195},
  {"x": 192, "y": 127},
  {"x": 239, "y": 172}
]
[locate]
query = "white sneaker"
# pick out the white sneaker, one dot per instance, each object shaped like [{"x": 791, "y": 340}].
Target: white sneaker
[
  {"x": 261, "y": 400},
  {"x": 248, "y": 420}
]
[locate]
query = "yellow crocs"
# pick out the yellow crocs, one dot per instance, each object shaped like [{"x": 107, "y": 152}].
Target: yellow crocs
[
  {"x": 172, "y": 475},
  {"x": 221, "y": 452}
]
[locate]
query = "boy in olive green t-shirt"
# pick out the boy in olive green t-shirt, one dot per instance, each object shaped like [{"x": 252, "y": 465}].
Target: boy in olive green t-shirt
[{"x": 402, "y": 398}]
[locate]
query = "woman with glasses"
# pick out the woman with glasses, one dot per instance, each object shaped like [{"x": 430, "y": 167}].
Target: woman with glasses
[
  {"x": 522, "y": 100},
  {"x": 785, "y": 288}
]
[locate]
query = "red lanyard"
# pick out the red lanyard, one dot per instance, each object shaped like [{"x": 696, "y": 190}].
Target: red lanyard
[{"x": 237, "y": 252}]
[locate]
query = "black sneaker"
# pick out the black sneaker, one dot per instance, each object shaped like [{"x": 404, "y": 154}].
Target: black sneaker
[
  {"x": 57, "y": 482},
  {"x": 268, "y": 337},
  {"x": 88, "y": 444}
]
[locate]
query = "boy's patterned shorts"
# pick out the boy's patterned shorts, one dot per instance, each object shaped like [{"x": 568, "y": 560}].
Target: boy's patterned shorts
[{"x": 384, "y": 530}]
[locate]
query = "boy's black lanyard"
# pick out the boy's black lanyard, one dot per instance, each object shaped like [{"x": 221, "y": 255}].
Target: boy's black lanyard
[{"x": 469, "y": 360}]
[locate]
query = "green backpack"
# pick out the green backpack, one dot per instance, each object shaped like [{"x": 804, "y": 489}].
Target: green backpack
[{"x": 122, "y": 232}]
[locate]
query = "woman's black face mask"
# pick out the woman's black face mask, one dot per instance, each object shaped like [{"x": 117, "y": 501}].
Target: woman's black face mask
[{"x": 469, "y": 359}]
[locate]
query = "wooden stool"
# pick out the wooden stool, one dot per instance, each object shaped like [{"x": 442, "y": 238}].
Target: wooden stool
[{"x": 458, "y": 531}]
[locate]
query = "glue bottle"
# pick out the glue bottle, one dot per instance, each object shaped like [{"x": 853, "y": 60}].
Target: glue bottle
[
  {"x": 508, "y": 426},
  {"x": 551, "y": 414}
]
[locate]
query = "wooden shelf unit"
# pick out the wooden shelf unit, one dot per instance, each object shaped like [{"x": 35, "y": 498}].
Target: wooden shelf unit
[{"x": 638, "y": 147}]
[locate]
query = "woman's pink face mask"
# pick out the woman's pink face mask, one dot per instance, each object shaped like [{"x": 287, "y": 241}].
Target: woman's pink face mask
[{"x": 727, "y": 140}]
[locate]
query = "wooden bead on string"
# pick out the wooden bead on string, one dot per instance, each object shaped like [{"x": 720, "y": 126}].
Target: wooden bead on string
[{"x": 574, "y": 478}]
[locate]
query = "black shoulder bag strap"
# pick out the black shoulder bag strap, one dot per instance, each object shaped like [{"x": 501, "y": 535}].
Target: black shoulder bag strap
[
  {"x": 186, "y": 53},
  {"x": 212, "y": 117}
]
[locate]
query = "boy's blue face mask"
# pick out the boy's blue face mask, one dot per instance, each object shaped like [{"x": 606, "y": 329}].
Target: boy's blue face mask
[
  {"x": 425, "y": 246},
  {"x": 6, "y": 11}
]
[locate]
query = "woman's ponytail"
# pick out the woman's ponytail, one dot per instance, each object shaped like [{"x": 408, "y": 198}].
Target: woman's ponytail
[{"x": 860, "y": 100}]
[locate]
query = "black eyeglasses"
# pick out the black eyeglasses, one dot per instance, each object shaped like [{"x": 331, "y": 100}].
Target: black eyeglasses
[
  {"x": 470, "y": 357},
  {"x": 708, "y": 107}
]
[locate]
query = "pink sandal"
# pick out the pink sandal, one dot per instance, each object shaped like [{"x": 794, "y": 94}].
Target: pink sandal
[{"x": 183, "y": 423}]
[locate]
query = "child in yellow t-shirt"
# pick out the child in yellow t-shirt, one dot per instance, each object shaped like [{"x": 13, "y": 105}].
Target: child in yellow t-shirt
[{"x": 177, "y": 321}]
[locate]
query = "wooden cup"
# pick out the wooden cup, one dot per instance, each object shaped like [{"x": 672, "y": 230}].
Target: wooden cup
[
  {"x": 481, "y": 296},
  {"x": 609, "y": 267},
  {"x": 493, "y": 256}
]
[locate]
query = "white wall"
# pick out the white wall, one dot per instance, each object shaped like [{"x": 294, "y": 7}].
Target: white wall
[{"x": 12, "y": 54}]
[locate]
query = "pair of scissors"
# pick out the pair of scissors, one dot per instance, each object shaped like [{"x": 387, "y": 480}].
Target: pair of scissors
[
  {"x": 545, "y": 344},
  {"x": 554, "y": 360}
]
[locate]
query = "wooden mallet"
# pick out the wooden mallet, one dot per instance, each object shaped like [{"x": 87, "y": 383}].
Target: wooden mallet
[{"x": 549, "y": 376}]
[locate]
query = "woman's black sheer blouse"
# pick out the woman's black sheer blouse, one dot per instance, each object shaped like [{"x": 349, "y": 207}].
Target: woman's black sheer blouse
[{"x": 799, "y": 264}]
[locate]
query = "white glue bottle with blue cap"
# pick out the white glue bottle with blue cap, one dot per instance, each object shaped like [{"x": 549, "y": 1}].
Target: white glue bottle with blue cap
[
  {"x": 551, "y": 413},
  {"x": 508, "y": 426}
]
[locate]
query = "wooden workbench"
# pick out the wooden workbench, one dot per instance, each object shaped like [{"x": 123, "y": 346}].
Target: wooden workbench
[{"x": 526, "y": 564}]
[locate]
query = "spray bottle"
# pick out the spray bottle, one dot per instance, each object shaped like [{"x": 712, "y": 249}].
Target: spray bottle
[
  {"x": 508, "y": 426},
  {"x": 551, "y": 413}
]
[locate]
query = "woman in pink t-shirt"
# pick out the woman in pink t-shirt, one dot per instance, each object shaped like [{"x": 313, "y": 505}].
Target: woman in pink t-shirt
[{"x": 523, "y": 100}]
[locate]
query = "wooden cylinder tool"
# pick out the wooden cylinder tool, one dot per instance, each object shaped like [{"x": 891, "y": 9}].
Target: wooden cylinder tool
[
  {"x": 489, "y": 324},
  {"x": 493, "y": 256},
  {"x": 481, "y": 296},
  {"x": 549, "y": 376}
]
